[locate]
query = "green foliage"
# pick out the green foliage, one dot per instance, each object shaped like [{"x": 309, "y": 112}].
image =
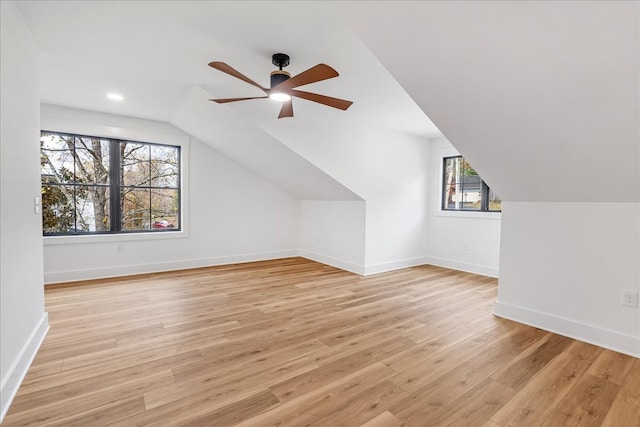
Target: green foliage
[
  {"x": 57, "y": 204},
  {"x": 77, "y": 193},
  {"x": 467, "y": 169},
  {"x": 57, "y": 209}
]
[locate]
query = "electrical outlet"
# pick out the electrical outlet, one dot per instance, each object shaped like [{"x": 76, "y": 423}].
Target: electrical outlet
[{"x": 630, "y": 298}]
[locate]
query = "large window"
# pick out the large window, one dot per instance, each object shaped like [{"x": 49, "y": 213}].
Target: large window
[
  {"x": 464, "y": 190},
  {"x": 94, "y": 185}
]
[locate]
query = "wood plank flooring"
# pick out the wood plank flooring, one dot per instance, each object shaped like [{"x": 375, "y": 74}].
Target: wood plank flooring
[{"x": 296, "y": 343}]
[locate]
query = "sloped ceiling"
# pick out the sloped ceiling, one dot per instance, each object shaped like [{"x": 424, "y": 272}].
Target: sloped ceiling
[
  {"x": 156, "y": 55},
  {"x": 257, "y": 150},
  {"x": 541, "y": 97}
]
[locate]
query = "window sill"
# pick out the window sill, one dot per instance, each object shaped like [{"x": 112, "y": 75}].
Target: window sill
[
  {"x": 469, "y": 214},
  {"x": 112, "y": 238}
]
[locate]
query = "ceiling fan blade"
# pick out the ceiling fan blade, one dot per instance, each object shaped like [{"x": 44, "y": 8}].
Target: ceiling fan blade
[
  {"x": 314, "y": 74},
  {"x": 221, "y": 66},
  {"x": 225, "y": 100},
  {"x": 286, "y": 110},
  {"x": 341, "y": 104}
]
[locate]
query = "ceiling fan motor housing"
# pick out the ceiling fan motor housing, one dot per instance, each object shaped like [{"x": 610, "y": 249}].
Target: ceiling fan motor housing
[{"x": 279, "y": 76}]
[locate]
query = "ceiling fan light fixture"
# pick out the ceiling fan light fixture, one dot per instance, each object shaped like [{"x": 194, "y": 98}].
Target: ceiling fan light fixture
[
  {"x": 283, "y": 86},
  {"x": 277, "y": 77},
  {"x": 279, "y": 96}
]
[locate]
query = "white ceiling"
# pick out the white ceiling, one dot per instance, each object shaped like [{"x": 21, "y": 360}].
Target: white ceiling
[
  {"x": 542, "y": 97},
  {"x": 155, "y": 53},
  {"x": 533, "y": 93}
]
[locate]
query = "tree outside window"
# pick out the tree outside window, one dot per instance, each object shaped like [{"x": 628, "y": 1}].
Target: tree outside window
[{"x": 99, "y": 185}]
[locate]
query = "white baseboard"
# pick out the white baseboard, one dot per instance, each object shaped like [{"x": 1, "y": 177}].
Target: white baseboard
[
  {"x": 616, "y": 341},
  {"x": 11, "y": 383},
  {"x": 462, "y": 266},
  {"x": 333, "y": 262},
  {"x": 364, "y": 270},
  {"x": 394, "y": 265},
  {"x": 127, "y": 270}
]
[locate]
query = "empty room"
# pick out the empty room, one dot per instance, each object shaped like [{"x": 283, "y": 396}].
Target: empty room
[{"x": 320, "y": 213}]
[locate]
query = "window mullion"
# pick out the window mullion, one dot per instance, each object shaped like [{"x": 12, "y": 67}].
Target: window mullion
[
  {"x": 114, "y": 185},
  {"x": 445, "y": 184},
  {"x": 485, "y": 197}
]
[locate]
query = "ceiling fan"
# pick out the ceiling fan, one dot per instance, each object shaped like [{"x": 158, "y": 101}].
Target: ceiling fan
[{"x": 283, "y": 85}]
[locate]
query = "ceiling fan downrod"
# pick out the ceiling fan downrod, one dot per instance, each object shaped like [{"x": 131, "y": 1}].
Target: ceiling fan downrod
[{"x": 280, "y": 60}]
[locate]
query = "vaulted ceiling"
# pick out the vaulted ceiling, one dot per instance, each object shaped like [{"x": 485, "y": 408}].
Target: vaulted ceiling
[
  {"x": 155, "y": 52},
  {"x": 542, "y": 97}
]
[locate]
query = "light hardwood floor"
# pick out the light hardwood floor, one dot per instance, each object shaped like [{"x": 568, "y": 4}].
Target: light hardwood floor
[{"x": 295, "y": 343}]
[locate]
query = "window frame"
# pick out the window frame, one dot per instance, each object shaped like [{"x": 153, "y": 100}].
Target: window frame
[
  {"x": 484, "y": 192},
  {"x": 115, "y": 187}
]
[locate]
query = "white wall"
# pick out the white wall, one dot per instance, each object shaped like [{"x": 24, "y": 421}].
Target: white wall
[
  {"x": 392, "y": 171},
  {"x": 542, "y": 98},
  {"x": 23, "y": 321},
  {"x": 248, "y": 218},
  {"x": 468, "y": 241},
  {"x": 552, "y": 85},
  {"x": 239, "y": 139},
  {"x": 389, "y": 170},
  {"x": 564, "y": 267},
  {"x": 230, "y": 214},
  {"x": 333, "y": 232}
]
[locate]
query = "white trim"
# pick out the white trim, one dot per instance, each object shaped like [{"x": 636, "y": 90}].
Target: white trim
[
  {"x": 468, "y": 214},
  {"x": 112, "y": 238},
  {"x": 11, "y": 383},
  {"x": 126, "y": 270},
  {"x": 463, "y": 266},
  {"x": 333, "y": 262},
  {"x": 613, "y": 340},
  {"x": 394, "y": 265}
]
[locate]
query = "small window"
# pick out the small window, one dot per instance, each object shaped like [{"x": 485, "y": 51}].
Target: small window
[
  {"x": 93, "y": 185},
  {"x": 464, "y": 190}
]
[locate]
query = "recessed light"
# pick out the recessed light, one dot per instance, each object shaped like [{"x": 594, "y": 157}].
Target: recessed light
[{"x": 115, "y": 97}]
